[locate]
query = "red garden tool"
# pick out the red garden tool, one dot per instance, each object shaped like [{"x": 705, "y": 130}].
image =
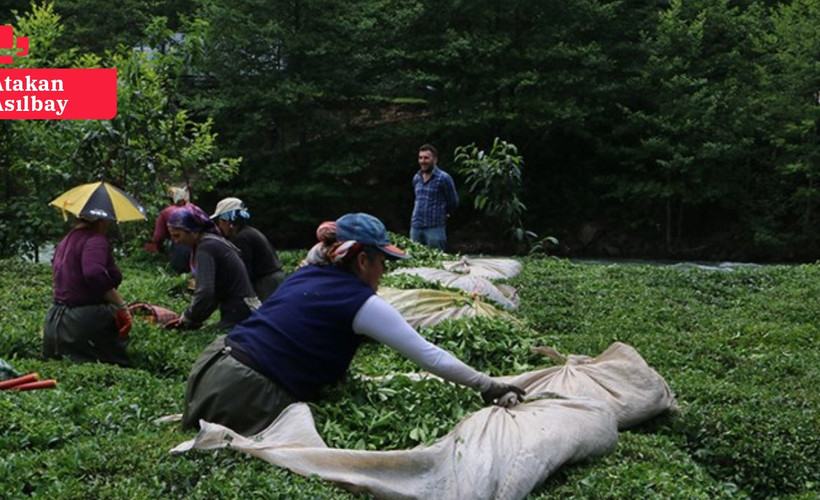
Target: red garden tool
[{"x": 28, "y": 383}]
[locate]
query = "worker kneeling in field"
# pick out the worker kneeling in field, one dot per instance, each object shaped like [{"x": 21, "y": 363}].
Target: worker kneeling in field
[
  {"x": 305, "y": 335},
  {"x": 221, "y": 279},
  {"x": 260, "y": 258},
  {"x": 89, "y": 320}
]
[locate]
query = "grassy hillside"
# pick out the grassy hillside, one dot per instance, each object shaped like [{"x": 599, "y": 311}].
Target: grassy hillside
[{"x": 738, "y": 347}]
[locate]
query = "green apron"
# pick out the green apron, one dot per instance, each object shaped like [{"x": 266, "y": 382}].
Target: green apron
[
  {"x": 84, "y": 334},
  {"x": 223, "y": 390}
]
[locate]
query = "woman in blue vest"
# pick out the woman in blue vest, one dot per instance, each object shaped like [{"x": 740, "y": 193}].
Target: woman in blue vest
[{"x": 305, "y": 335}]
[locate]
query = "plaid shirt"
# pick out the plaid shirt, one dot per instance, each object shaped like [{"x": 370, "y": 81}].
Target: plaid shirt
[{"x": 434, "y": 199}]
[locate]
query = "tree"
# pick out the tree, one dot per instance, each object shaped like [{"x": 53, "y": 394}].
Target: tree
[
  {"x": 792, "y": 106},
  {"x": 304, "y": 92},
  {"x": 494, "y": 180},
  {"x": 686, "y": 154},
  {"x": 99, "y": 25},
  {"x": 152, "y": 140},
  {"x": 340, "y": 94}
]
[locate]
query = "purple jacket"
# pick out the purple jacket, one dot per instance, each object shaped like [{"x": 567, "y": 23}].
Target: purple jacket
[
  {"x": 161, "y": 226},
  {"x": 84, "y": 268}
]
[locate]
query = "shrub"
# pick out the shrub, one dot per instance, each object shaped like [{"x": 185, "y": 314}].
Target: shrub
[{"x": 738, "y": 347}]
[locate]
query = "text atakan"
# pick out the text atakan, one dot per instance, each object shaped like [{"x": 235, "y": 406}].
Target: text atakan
[{"x": 29, "y": 84}]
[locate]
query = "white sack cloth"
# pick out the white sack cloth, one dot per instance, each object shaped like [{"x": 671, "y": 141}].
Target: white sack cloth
[
  {"x": 503, "y": 295},
  {"x": 619, "y": 377},
  {"x": 495, "y": 453},
  {"x": 423, "y": 307},
  {"x": 489, "y": 268}
]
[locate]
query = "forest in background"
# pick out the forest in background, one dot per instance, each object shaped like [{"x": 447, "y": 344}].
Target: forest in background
[{"x": 665, "y": 129}]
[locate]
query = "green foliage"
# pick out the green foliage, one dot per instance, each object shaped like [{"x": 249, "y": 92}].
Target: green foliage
[
  {"x": 98, "y": 25},
  {"x": 27, "y": 177},
  {"x": 792, "y": 109},
  {"x": 25, "y": 295},
  {"x": 390, "y": 414},
  {"x": 691, "y": 126},
  {"x": 420, "y": 255},
  {"x": 738, "y": 346},
  {"x": 491, "y": 345},
  {"x": 701, "y": 71},
  {"x": 647, "y": 466},
  {"x": 152, "y": 141}
]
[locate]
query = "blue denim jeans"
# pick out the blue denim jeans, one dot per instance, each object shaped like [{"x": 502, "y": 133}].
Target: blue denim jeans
[{"x": 435, "y": 237}]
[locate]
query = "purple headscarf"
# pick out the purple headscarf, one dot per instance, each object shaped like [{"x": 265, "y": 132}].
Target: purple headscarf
[{"x": 191, "y": 218}]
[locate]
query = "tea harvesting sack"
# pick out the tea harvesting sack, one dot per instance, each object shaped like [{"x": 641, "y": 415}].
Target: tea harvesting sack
[
  {"x": 502, "y": 295},
  {"x": 422, "y": 307},
  {"x": 153, "y": 313},
  {"x": 619, "y": 377},
  {"x": 490, "y": 268},
  {"x": 493, "y": 453}
]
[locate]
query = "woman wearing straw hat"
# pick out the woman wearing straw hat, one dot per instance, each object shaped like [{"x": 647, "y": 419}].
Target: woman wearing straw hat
[
  {"x": 89, "y": 320},
  {"x": 221, "y": 279},
  {"x": 305, "y": 335},
  {"x": 257, "y": 252}
]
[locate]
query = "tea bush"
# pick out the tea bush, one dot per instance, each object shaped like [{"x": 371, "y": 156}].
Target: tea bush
[{"x": 738, "y": 346}]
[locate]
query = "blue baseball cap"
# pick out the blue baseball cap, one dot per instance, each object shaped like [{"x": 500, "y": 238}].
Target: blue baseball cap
[{"x": 367, "y": 230}]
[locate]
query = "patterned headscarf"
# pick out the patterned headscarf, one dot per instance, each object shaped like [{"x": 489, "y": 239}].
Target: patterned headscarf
[
  {"x": 329, "y": 251},
  {"x": 326, "y": 232},
  {"x": 341, "y": 252},
  {"x": 191, "y": 218},
  {"x": 238, "y": 215}
]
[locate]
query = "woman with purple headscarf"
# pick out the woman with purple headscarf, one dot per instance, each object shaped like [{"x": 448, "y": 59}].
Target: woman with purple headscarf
[{"x": 221, "y": 279}]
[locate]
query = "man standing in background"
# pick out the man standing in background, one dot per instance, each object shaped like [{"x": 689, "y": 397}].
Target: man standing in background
[{"x": 436, "y": 199}]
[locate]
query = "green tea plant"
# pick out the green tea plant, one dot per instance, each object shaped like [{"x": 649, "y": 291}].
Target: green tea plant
[
  {"x": 494, "y": 180},
  {"x": 420, "y": 255},
  {"x": 739, "y": 347}
]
